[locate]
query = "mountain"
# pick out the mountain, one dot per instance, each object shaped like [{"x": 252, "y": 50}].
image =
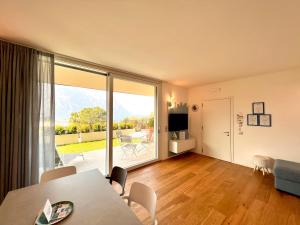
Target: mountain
[{"x": 72, "y": 99}]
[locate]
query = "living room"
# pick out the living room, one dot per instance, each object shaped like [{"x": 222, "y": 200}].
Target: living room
[{"x": 155, "y": 112}]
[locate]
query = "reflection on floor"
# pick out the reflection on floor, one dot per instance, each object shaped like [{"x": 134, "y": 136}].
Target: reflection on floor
[{"x": 123, "y": 156}]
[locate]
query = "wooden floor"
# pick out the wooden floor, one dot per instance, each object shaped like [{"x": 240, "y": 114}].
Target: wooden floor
[{"x": 194, "y": 189}]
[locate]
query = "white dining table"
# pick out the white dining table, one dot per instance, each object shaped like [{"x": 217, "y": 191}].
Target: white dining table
[{"x": 95, "y": 202}]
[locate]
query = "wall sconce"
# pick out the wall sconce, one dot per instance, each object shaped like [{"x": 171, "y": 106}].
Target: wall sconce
[{"x": 171, "y": 102}]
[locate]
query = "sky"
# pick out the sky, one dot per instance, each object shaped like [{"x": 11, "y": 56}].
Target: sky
[{"x": 70, "y": 99}]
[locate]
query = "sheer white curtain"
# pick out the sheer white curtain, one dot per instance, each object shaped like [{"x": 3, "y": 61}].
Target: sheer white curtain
[
  {"x": 46, "y": 111},
  {"x": 26, "y": 116}
]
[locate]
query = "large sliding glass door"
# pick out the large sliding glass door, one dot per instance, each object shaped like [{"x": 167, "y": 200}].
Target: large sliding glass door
[
  {"x": 80, "y": 119},
  {"x": 134, "y": 119},
  {"x": 82, "y": 112}
]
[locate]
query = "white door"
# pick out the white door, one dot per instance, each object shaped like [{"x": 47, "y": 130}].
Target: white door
[{"x": 216, "y": 129}]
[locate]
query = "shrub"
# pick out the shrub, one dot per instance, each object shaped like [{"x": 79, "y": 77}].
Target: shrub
[
  {"x": 151, "y": 122},
  {"x": 72, "y": 129},
  {"x": 59, "y": 130},
  {"x": 97, "y": 127},
  {"x": 84, "y": 128},
  {"x": 103, "y": 127},
  {"x": 122, "y": 125},
  {"x": 115, "y": 126},
  {"x": 129, "y": 125},
  {"x": 126, "y": 125}
]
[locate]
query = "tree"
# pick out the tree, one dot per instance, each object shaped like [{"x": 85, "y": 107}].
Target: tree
[{"x": 87, "y": 117}]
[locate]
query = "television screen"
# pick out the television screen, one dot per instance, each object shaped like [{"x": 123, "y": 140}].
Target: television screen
[{"x": 178, "y": 122}]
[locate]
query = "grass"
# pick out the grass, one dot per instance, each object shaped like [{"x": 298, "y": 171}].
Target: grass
[{"x": 87, "y": 146}]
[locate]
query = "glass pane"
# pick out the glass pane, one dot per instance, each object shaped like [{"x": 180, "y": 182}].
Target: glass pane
[
  {"x": 80, "y": 119},
  {"x": 133, "y": 123}
]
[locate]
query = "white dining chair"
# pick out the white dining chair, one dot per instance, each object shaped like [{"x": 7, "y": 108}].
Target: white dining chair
[
  {"x": 57, "y": 173},
  {"x": 144, "y": 196}
]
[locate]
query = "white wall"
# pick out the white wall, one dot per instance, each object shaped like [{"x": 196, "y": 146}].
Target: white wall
[
  {"x": 179, "y": 94},
  {"x": 281, "y": 93}
]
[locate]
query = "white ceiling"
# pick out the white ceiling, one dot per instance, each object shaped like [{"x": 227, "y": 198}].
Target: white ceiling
[{"x": 186, "y": 42}]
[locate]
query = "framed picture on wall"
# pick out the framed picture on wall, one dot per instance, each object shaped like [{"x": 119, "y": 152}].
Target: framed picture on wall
[
  {"x": 258, "y": 108},
  {"x": 265, "y": 120},
  {"x": 252, "y": 120}
]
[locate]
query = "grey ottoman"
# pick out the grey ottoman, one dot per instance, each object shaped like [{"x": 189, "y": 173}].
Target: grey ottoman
[{"x": 287, "y": 176}]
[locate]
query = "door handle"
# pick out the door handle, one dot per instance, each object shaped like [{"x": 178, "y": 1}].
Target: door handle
[{"x": 227, "y": 133}]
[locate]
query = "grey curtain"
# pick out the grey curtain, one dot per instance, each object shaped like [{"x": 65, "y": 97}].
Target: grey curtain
[{"x": 26, "y": 116}]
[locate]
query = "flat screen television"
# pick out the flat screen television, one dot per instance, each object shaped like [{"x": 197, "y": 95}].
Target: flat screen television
[{"x": 178, "y": 121}]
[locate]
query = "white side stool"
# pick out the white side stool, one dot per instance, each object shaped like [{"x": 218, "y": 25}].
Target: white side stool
[{"x": 262, "y": 163}]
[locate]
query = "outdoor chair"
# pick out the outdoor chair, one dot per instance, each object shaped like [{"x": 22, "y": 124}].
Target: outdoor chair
[
  {"x": 127, "y": 145},
  {"x": 148, "y": 139},
  {"x": 118, "y": 175},
  {"x": 58, "y": 161},
  {"x": 119, "y": 133},
  {"x": 144, "y": 196}
]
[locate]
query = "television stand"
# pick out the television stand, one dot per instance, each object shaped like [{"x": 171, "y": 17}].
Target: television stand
[{"x": 179, "y": 146}]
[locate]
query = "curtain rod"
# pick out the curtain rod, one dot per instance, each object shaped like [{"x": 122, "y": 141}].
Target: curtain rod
[{"x": 61, "y": 58}]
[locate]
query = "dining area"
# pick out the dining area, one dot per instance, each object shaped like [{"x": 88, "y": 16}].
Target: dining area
[
  {"x": 93, "y": 200},
  {"x": 34, "y": 189}
]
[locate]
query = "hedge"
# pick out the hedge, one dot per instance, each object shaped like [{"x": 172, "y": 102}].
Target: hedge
[{"x": 85, "y": 128}]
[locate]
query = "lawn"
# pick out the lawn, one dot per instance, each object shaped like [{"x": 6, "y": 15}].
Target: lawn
[{"x": 87, "y": 146}]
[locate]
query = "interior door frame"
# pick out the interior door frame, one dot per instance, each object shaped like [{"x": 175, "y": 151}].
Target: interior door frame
[{"x": 231, "y": 129}]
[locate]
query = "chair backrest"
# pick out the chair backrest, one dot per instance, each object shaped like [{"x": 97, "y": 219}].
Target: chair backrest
[
  {"x": 119, "y": 133},
  {"x": 126, "y": 138},
  {"x": 145, "y": 196},
  {"x": 57, "y": 173},
  {"x": 151, "y": 135},
  {"x": 118, "y": 175}
]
